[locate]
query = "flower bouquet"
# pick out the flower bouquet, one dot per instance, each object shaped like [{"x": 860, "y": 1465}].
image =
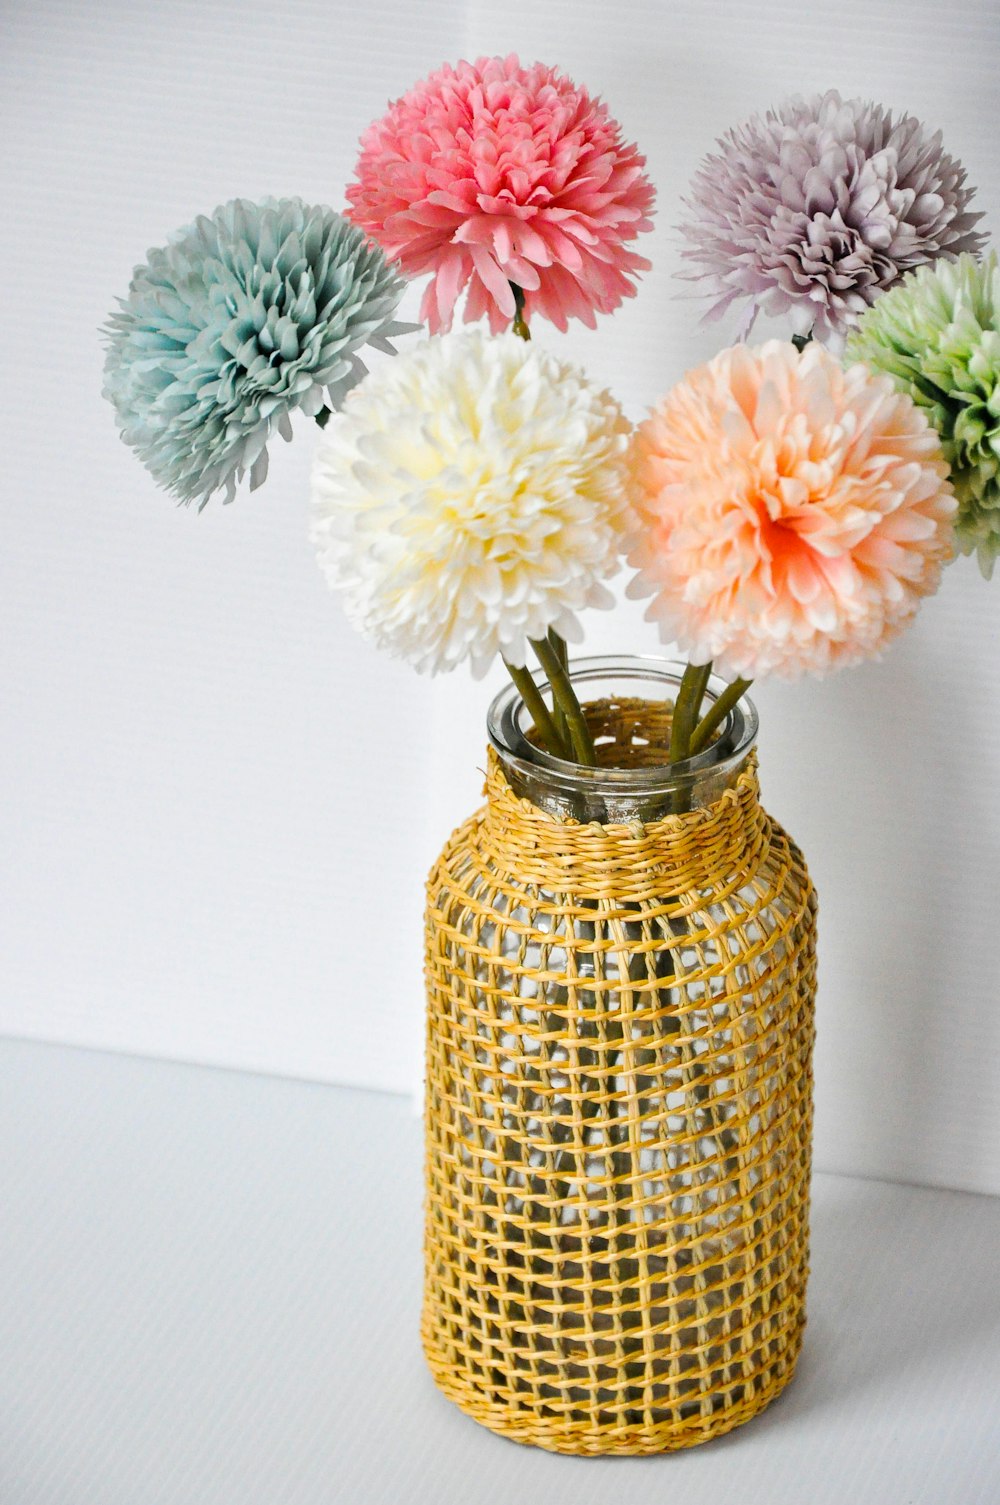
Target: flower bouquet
[{"x": 620, "y": 952}]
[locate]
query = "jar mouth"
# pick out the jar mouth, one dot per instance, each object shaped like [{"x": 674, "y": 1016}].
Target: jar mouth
[{"x": 641, "y": 676}]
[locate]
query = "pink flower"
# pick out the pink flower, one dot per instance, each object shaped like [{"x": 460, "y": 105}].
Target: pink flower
[
  {"x": 490, "y": 174},
  {"x": 793, "y": 514}
]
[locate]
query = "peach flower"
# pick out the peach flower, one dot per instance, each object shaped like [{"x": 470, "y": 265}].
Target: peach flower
[
  {"x": 793, "y": 514},
  {"x": 489, "y": 174}
]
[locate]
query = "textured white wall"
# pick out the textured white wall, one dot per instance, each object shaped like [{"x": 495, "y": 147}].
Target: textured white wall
[{"x": 218, "y": 803}]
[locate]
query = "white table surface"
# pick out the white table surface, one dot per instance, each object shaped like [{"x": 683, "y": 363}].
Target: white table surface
[{"x": 209, "y": 1288}]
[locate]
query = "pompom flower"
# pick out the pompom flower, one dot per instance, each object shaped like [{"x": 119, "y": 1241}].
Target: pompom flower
[
  {"x": 792, "y": 513},
  {"x": 938, "y": 336},
  {"x": 244, "y": 316},
  {"x": 815, "y": 209},
  {"x": 469, "y": 497},
  {"x": 489, "y": 174}
]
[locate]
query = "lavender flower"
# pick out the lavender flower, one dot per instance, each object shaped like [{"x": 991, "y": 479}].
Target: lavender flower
[{"x": 814, "y": 210}]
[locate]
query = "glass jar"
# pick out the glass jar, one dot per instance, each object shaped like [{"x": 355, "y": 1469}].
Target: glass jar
[
  {"x": 620, "y": 973},
  {"x": 628, "y": 703}
]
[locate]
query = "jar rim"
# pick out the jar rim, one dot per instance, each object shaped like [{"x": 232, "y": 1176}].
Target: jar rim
[{"x": 737, "y": 734}]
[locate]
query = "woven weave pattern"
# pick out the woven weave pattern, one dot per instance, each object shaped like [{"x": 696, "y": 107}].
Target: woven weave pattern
[{"x": 619, "y": 1099}]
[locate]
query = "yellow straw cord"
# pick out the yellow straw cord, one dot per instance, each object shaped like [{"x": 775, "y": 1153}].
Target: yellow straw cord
[{"x": 618, "y": 1121}]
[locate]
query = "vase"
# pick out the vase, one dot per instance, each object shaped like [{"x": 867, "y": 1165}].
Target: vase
[{"x": 620, "y": 969}]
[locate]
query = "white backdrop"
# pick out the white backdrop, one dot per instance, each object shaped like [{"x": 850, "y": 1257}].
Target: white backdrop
[{"x": 218, "y": 804}]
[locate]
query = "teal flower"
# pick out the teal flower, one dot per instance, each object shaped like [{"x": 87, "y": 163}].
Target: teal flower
[
  {"x": 243, "y": 317},
  {"x": 937, "y": 334}
]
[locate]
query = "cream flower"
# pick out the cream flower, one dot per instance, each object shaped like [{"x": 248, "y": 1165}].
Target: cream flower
[
  {"x": 469, "y": 497},
  {"x": 793, "y": 514}
]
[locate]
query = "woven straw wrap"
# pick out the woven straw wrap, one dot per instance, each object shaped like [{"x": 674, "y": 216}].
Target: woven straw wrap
[{"x": 618, "y": 1119}]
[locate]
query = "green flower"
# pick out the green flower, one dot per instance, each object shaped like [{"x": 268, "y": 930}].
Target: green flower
[{"x": 937, "y": 335}]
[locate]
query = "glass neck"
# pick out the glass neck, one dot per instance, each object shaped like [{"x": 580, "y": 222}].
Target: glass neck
[{"x": 628, "y": 704}]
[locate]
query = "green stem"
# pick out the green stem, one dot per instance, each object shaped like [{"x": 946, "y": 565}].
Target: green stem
[
  {"x": 800, "y": 341},
  {"x": 701, "y": 685},
  {"x": 687, "y": 708},
  {"x": 559, "y": 644},
  {"x": 558, "y": 716},
  {"x": 565, "y": 697},
  {"x": 539, "y": 712},
  {"x": 519, "y": 325},
  {"x": 717, "y": 712},
  {"x": 323, "y": 417}
]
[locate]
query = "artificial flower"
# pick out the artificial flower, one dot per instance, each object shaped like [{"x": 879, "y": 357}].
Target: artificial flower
[
  {"x": 491, "y": 174},
  {"x": 815, "y": 209},
  {"x": 937, "y": 334},
  {"x": 793, "y": 514},
  {"x": 246, "y": 315},
  {"x": 468, "y": 497}
]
